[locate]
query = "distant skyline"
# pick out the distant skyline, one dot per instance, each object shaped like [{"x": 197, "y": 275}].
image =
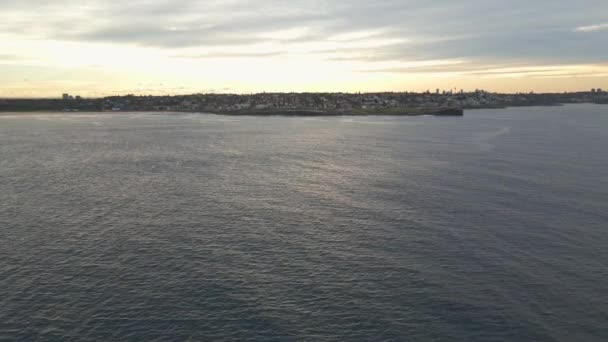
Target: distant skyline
[{"x": 96, "y": 48}]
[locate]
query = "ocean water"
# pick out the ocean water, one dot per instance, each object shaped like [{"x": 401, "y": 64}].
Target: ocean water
[{"x": 188, "y": 227}]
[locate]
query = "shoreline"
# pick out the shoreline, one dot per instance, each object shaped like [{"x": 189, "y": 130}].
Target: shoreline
[
  {"x": 354, "y": 112},
  {"x": 422, "y": 111},
  {"x": 305, "y": 104},
  {"x": 289, "y": 112}
]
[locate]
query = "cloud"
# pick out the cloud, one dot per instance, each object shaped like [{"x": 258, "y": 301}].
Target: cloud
[
  {"x": 415, "y": 29},
  {"x": 9, "y": 58},
  {"x": 363, "y": 35},
  {"x": 494, "y": 71},
  {"x": 592, "y": 28},
  {"x": 212, "y": 55}
]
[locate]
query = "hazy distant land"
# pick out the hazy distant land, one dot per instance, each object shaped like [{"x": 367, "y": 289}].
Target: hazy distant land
[{"x": 307, "y": 104}]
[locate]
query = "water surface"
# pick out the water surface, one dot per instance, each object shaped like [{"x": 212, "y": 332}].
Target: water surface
[{"x": 146, "y": 226}]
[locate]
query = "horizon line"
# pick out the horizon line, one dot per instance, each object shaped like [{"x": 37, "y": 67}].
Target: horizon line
[{"x": 429, "y": 91}]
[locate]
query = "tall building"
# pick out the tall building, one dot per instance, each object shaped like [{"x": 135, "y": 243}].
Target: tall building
[{"x": 66, "y": 96}]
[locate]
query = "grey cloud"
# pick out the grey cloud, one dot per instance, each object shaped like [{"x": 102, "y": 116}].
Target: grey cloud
[
  {"x": 167, "y": 37},
  {"x": 474, "y": 30}
]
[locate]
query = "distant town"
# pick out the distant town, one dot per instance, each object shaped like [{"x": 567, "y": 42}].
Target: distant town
[{"x": 438, "y": 102}]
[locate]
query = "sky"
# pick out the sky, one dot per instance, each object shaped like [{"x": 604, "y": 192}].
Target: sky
[{"x": 98, "y": 47}]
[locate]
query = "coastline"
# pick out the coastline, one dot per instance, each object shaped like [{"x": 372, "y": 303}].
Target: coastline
[
  {"x": 354, "y": 112},
  {"x": 413, "y": 111},
  {"x": 305, "y": 104},
  {"x": 274, "y": 112}
]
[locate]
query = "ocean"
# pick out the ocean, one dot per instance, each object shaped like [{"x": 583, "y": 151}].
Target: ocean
[{"x": 198, "y": 227}]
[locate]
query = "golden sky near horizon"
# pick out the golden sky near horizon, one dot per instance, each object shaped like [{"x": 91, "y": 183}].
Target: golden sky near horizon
[{"x": 93, "y": 48}]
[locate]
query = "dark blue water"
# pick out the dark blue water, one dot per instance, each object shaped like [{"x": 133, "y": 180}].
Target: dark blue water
[{"x": 145, "y": 227}]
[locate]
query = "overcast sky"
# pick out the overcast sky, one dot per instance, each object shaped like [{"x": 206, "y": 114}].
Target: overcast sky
[{"x": 95, "y": 48}]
